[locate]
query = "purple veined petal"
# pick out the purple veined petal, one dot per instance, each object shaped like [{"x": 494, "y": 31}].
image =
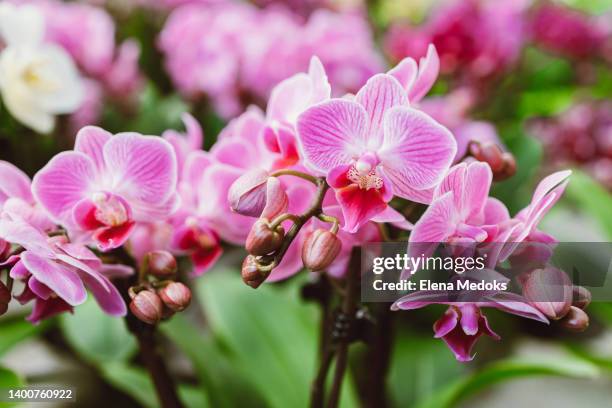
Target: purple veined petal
[
  {"x": 235, "y": 152},
  {"x": 381, "y": 93},
  {"x": 470, "y": 319},
  {"x": 144, "y": 212},
  {"x": 90, "y": 141},
  {"x": 429, "y": 67},
  {"x": 514, "y": 304},
  {"x": 82, "y": 267},
  {"x": 15, "y": 183},
  {"x": 393, "y": 217},
  {"x": 470, "y": 185},
  {"x": 144, "y": 166},
  {"x": 332, "y": 133},
  {"x": 106, "y": 294},
  {"x": 417, "y": 151},
  {"x": 112, "y": 271},
  {"x": 419, "y": 299},
  {"x": 495, "y": 211},
  {"x": 81, "y": 253},
  {"x": 63, "y": 182},
  {"x": 61, "y": 279},
  {"x": 21, "y": 233},
  {"x": 447, "y": 323},
  {"x": 549, "y": 183},
  {"x": 405, "y": 72},
  {"x": 437, "y": 223}
]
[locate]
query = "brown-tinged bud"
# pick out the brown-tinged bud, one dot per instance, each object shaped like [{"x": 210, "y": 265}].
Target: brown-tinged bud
[
  {"x": 576, "y": 320},
  {"x": 160, "y": 263},
  {"x": 320, "y": 249},
  {"x": 581, "y": 297},
  {"x": 262, "y": 239},
  {"x": 147, "y": 307},
  {"x": 549, "y": 290},
  {"x": 252, "y": 274},
  {"x": 502, "y": 164},
  {"x": 5, "y": 298},
  {"x": 176, "y": 296},
  {"x": 257, "y": 194}
]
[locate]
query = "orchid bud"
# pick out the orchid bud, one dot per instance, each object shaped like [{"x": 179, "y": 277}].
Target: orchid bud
[
  {"x": 5, "y": 298},
  {"x": 576, "y": 320},
  {"x": 161, "y": 264},
  {"x": 549, "y": 290},
  {"x": 176, "y": 296},
  {"x": 502, "y": 164},
  {"x": 262, "y": 239},
  {"x": 581, "y": 297},
  {"x": 257, "y": 194},
  {"x": 147, "y": 307},
  {"x": 320, "y": 249},
  {"x": 252, "y": 274}
]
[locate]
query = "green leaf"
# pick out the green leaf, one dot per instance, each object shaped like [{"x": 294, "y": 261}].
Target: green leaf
[
  {"x": 434, "y": 364},
  {"x": 592, "y": 198},
  {"x": 214, "y": 366},
  {"x": 565, "y": 366},
  {"x": 15, "y": 330},
  {"x": 96, "y": 336},
  {"x": 271, "y": 333},
  {"x": 9, "y": 379},
  {"x": 136, "y": 383}
]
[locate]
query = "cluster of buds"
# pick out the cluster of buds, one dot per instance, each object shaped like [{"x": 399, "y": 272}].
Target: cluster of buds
[
  {"x": 503, "y": 164},
  {"x": 259, "y": 194},
  {"x": 157, "y": 296},
  {"x": 551, "y": 292}
]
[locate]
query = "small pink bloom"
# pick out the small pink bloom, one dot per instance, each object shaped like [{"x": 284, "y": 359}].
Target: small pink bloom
[
  {"x": 107, "y": 184},
  {"x": 463, "y": 322},
  {"x": 16, "y": 200},
  {"x": 196, "y": 239},
  {"x": 374, "y": 147},
  {"x": 418, "y": 80},
  {"x": 57, "y": 272}
]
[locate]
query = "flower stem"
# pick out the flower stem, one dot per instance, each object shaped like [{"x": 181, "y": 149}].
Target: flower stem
[
  {"x": 146, "y": 335},
  {"x": 295, "y": 173},
  {"x": 349, "y": 308}
]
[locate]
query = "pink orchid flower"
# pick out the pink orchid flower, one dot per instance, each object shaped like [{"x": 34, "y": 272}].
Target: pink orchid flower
[
  {"x": 463, "y": 322},
  {"x": 287, "y": 101},
  {"x": 374, "y": 147},
  {"x": 417, "y": 80},
  {"x": 57, "y": 272},
  {"x": 107, "y": 184},
  {"x": 16, "y": 198},
  {"x": 461, "y": 209}
]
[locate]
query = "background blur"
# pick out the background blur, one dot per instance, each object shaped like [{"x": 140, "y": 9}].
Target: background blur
[{"x": 539, "y": 72}]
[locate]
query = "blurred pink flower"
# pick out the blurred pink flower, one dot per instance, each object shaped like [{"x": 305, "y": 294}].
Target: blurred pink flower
[
  {"x": 245, "y": 51},
  {"x": 569, "y": 32},
  {"x": 107, "y": 184},
  {"x": 57, "y": 272},
  {"x": 374, "y": 147},
  {"x": 476, "y": 38}
]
